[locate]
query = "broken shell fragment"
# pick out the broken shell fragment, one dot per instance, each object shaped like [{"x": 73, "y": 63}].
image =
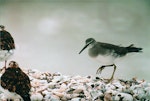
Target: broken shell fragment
[{"x": 57, "y": 87}]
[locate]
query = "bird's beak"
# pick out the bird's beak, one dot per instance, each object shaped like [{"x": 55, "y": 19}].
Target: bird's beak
[{"x": 85, "y": 47}]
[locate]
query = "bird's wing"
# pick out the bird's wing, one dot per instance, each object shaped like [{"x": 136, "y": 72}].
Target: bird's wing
[
  {"x": 8, "y": 80},
  {"x": 15, "y": 81},
  {"x": 7, "y": 41},
  {"x": 24, "y": 84},
  {"x": 108, "y": 46},
  {"x": 117, "y": 50}
]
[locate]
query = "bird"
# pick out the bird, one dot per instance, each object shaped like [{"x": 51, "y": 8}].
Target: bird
[
  {"x": 107, "y": 53},
  {"x": 7, "y": 45},
  {"x": 15, "y": 83}
]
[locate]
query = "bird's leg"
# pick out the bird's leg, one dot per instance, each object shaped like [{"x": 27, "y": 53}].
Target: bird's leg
[
  {"x": 4, "y": 68},
  {"x": 99, "y": 70},
  {"x": 102, "y": 67},
  {"x": 5, "y": 64},
  {"x": 112, "y": 73}
]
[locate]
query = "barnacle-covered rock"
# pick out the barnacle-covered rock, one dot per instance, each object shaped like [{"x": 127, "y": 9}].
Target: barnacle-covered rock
[{"x": 57, "y": 87}]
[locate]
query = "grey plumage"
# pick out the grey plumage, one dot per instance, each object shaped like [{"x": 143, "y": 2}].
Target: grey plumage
[
  {"x": 100, "y": 48},
  {"x": 107, "y": 52}
]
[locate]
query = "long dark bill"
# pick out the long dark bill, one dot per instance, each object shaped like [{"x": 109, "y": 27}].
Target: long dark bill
[{"x": 84, "y": 48}]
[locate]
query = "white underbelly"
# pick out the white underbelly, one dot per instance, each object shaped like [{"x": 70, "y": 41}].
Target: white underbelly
[
  {"x": 105, "y": 60},
  {"x": 5, "y": 55}
]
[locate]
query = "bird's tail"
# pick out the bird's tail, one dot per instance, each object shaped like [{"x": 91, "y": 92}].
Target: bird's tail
[
  {"x": 131, "y": 48},
  {"x": 26, "y": 97}
]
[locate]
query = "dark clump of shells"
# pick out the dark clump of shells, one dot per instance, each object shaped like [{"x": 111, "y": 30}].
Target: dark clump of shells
[{"x": 57, "y": 87}]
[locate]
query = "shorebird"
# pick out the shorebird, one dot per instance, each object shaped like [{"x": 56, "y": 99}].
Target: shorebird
[
  {"x": 107, "y": 53},
  {"x": 15, "y": 84},
  {"x": 7, "y": 45}
]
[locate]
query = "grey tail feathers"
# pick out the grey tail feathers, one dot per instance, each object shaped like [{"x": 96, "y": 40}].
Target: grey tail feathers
[
  {"x": 26, "y": 97},
  {"x": 133, "y": 49}
]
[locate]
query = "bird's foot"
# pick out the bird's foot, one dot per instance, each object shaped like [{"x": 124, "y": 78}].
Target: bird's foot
[
  {"x": 99, "y": 70},
  {"x": 108, "y": 80}
]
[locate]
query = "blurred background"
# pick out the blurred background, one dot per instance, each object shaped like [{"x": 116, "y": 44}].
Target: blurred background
[{"x": 50, "y": 33}]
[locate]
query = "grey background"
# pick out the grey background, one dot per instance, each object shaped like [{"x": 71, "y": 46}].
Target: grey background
[{"x": 49, "y": 34}]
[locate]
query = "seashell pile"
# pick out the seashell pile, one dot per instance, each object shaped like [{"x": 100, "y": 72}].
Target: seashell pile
[{"x": 57, "y": 87}]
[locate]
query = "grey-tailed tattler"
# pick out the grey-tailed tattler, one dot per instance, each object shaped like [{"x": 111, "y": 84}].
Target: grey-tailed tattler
[{"x": 106, "y": 53}]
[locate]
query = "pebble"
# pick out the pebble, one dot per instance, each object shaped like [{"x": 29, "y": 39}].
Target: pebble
[
  {"x": 57, "y": 87},
  {"x": 123, "y": 97},
  {"x": 36, "y": 97}
]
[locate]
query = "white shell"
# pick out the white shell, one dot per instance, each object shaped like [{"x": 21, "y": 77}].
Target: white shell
[
  {"x": 58, "y": 87},
  {"x": 36, "y": 97},
  {"x": 124, "y": 97}
]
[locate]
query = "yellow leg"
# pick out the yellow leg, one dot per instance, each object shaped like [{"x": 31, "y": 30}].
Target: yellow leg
[
  {"x": 112, "y": 73},
  {"x": 99, "y": 70}
]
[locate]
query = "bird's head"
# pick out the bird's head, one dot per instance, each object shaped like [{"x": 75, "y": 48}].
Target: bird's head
[
  {"x": 13, "y": 64},
  {"x": 2, "y": 27},
  {"x": 87, "y": 43}
]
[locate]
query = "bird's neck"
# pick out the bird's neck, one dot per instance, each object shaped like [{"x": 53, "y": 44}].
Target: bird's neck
[{"x": 91, "y": 45}]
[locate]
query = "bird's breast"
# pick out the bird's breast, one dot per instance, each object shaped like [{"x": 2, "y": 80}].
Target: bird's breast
[
  {"x": 102, "y": 57},
  {"x": 93, "y": 52},
  {"x": 105, "y": 59}
]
